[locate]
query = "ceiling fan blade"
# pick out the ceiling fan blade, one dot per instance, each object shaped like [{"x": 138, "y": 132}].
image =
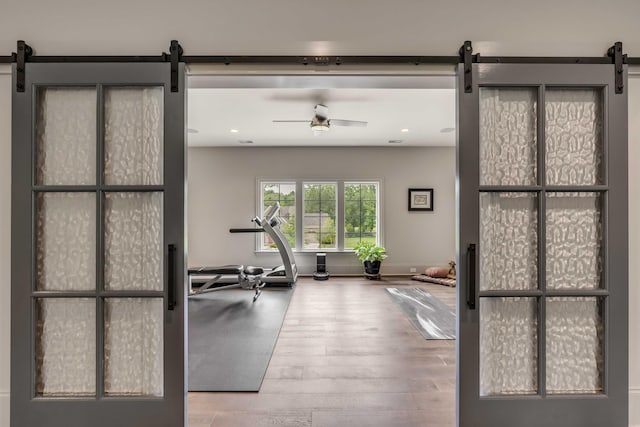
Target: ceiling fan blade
[
  {"x": 337, "y": 122},
  {"x": 290, "y": 121}
]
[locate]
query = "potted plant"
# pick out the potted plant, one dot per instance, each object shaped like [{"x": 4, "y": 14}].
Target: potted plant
[{"x": 371, "y": 255}]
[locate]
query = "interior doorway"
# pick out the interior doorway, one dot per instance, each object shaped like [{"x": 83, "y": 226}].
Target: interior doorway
[{"x": 409, "y": 142}]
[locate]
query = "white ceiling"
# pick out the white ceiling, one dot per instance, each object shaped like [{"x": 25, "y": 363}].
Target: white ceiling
[{"x": 425, "y": 106}]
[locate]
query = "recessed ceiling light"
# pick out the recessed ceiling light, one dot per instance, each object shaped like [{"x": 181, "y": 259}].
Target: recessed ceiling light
[
  {"x": 190, "y": 130},
  {"x": 395, "y": 141},
  {"x": 404, "y": 130},
  {"x": 248, "y": 141},
  {"x": 447, "y": 130},
  {"x": 233, "y": 130}
]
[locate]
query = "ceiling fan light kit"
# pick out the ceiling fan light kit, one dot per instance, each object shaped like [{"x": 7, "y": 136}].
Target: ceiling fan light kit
[{"x": 319, "y": 125}]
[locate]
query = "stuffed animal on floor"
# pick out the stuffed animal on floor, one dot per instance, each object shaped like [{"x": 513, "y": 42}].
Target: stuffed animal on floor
[{"x": 452, "y": 270}]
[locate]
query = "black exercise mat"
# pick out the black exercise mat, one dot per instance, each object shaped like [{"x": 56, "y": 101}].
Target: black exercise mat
[
  {"x": 231, "y": 338},
  {"x": 434, "y": 319}
]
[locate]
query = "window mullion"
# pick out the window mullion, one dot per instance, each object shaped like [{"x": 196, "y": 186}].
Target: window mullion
[
  {"x": 299, "y": 215},
  {"x": 340, "y": 216},
  {"x": 361, "y": 212}
]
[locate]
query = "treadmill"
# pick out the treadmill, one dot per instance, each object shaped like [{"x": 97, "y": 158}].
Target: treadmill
[{"x": 287, "y": 273}]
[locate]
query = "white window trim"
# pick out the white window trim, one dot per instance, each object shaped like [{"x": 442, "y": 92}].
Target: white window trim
[
  {"x": 378, "y": 184},
  {"x": 259, "y": 208},
  {"x": 301, "y": 210},
  {"x": 340, "y": 182}
]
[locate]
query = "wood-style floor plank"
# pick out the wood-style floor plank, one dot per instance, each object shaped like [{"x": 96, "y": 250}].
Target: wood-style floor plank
[{"x": 346, "y": 356}]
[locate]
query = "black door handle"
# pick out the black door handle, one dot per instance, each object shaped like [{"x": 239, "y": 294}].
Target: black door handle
[
  {"x": 471, "y": 275},
  {"x": 171, "y": 278}
]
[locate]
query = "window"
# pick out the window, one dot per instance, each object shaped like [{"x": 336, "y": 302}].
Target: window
[
  {"x": 360, "y": 213},
  {"x": 330, "y": 215},
  {"x": 285, "y": 194},
  {"x": 320, "y": 216}
]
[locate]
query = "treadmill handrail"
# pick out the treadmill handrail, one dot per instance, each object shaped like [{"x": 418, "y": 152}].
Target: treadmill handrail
[
  {"x": 246, "y": 230},
  {"x": 288, "y": 260}
]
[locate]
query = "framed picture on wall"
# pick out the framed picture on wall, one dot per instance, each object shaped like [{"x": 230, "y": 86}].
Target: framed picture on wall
[{"x": 421, "y": 199}]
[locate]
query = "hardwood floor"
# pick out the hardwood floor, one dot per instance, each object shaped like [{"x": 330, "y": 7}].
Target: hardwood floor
[{"x": 346, "y": 356}]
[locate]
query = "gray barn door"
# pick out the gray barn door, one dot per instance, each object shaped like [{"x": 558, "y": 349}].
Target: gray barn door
[
  {"x": 98, "y": 309},
  {"x": 542, "y": 247}
]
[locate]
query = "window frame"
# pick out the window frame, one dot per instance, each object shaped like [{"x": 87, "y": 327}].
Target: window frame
[
  {"x": 340, "y": 211},
  {"x": 377, "y": 184},
  {"x": 260, "y": 247},
  {"x": 304, "y": 200}
]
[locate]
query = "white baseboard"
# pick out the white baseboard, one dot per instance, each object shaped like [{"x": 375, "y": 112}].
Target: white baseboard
[
  {"x": 4, "y": 408},
  {"x": 634, "y": 407}
]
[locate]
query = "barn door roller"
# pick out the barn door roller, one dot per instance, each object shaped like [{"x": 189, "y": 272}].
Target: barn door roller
[
  {"x": 466, "y": 57},
  {"x": 24, "y": 52},
  {"x": 615, "y": 52}
]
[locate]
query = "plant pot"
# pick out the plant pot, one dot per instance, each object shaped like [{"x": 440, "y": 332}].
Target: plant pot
[{"x": 372, "y": 270}]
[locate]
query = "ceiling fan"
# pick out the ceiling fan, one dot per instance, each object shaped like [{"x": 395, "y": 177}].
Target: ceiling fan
[{"x": 321, "y": 121}]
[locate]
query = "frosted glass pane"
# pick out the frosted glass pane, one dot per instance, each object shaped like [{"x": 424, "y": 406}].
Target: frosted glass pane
[
  {"x": 508, "y": 346},
  {"x": 133, "y": 241},
  {"x": 134, "y": 134},
  {"x": 573, "y": 136},
  {"x": 66, "y": 347},
  {"x": 508, "y": 136},
  {"x": 66, "y": 241},
  {"x": 133, "y": 347},
  {"x": 574, "y": 345},
  {"x": 574, "y": 240},
  {"x": 66, "y": 136},
  {"x": 508, "y": 241}
]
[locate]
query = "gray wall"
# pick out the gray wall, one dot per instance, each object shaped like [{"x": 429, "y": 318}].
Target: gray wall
[{"x": 222, "y": 194}]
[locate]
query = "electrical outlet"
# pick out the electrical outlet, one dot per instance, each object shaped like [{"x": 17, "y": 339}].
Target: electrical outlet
[{"x": 412, "y": 270}]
